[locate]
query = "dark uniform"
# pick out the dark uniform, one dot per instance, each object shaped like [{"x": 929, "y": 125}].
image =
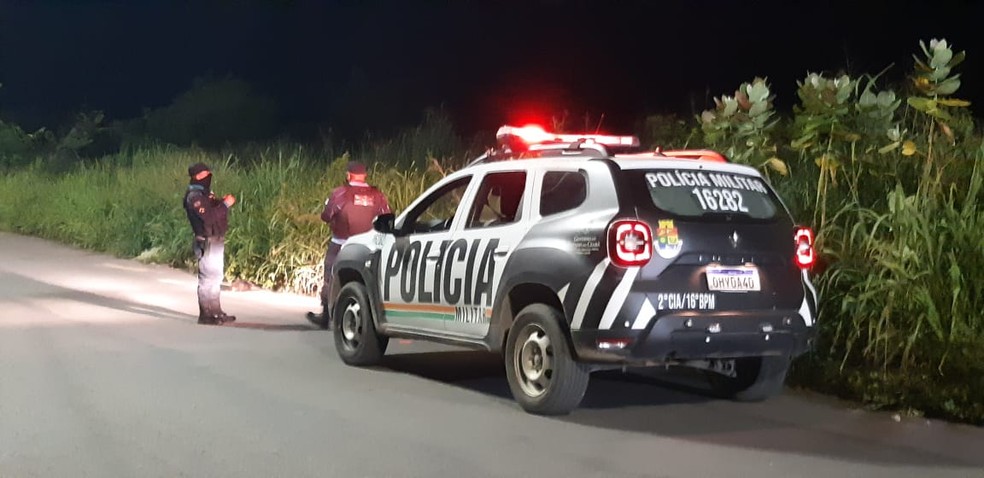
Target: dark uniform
[
  {"x": 208, "y": 216},
  {"x": 350, "y": 210}
]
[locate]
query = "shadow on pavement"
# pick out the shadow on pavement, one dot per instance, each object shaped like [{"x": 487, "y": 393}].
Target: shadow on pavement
[
  {"x": 23, "y": 287},
  {"x": 20, "y": 287},
  {"x": 675, "y": 404},
  {"x": 271, "y": 327},
  {"x": 484, "y": 372}
]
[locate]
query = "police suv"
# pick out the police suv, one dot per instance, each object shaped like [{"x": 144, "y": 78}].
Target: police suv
[{"x": 575, "y": 253}]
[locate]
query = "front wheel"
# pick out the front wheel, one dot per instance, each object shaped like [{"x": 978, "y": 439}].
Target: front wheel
[
  {"x": 540, "y": 367},
  {"x": 755, "y": 379},
  {"x": 356, "y": 339}
]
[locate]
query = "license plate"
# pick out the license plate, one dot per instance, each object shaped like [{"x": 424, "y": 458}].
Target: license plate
[{"x": 733, "y": 279}]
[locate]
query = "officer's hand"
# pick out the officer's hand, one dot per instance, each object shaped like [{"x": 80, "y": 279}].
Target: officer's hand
[{"x": 229, "y": 200}]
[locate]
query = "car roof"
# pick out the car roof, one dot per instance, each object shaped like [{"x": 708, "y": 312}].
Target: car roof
[
  {"x": 533, "y": 147},
  {"x": 634, "y": 161}
]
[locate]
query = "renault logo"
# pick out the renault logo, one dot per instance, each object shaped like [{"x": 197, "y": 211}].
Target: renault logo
[{"x": 734, "y": 239}]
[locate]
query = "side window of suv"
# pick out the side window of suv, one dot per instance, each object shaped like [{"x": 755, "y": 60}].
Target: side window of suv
[
  {"x": 499, "y": 200},
  {"x": 437, "y": 212},
  {"x": 562, "y": 191}
]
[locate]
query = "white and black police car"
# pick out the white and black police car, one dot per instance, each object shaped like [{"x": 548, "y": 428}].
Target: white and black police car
[{"x": 575, "y": 253}]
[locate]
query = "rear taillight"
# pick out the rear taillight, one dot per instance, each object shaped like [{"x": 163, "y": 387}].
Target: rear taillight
[
  {"x": 630, "y": 243},
  {"x": 805, "y": 255}
]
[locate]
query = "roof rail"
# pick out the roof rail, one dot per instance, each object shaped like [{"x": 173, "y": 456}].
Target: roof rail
[
  {"x": 578, "y": 149},
  {"x": 701, "y": 154}
]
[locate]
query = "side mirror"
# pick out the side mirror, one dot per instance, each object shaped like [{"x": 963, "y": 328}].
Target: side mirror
[{"x": 384, "y": 223}]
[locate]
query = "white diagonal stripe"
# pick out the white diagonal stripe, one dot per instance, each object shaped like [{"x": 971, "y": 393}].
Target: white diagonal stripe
[
  {"x": 646, "y": 312},
  {"x": 805, "y": 307},
  {"x": 588, "y": 292},
  {"x": 618, "y": 298},
  {"x": 563, "y": 293},
  {"x": 805, "y": 313}
]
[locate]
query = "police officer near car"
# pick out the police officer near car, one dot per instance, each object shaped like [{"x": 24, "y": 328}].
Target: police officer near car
[
  {"x": 349, "y": 210},
  {"x": 208, "y": 216}
]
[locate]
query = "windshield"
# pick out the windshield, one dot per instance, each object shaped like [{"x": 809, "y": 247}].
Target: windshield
[{"x": 692, "y": 193}]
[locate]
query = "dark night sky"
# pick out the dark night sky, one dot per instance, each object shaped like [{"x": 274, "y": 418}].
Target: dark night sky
[{"x": 488, "y": 62}]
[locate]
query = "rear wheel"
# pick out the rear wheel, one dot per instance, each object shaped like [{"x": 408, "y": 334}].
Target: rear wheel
[
  {"x": 356, "y": 339},
  {"x": 755, "y": 378},
  {"x": 540, "y": 367}
]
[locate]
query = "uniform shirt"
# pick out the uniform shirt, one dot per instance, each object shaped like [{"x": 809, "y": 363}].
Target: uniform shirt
[
  {"x": 207, "y": 214},
  {"x": 351, "y": 209}
]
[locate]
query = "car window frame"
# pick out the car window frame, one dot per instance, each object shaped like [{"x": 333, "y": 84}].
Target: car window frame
[
  {"x": 524, "y": 202},
  {"x": 426, "y": 200},
  {"x": 542, "y": 180}
]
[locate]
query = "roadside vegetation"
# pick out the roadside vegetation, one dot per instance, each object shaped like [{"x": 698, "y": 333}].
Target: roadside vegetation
[{"x": 889, "y": 174}]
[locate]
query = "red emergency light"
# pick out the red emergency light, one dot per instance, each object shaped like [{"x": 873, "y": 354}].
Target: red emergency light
[{"x": 533, "y": 134}]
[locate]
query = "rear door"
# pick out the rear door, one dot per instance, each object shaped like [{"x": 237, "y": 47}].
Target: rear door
[{"x": 722, "y": 240}]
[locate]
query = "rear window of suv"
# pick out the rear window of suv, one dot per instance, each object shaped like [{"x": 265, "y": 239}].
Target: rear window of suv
[{"x": 702, "y": 193}]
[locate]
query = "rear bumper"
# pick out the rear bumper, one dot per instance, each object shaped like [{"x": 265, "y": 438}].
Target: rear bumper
[{"x": 695, "y": 336}]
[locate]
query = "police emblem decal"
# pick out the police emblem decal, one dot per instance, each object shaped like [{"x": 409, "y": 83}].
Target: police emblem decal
[{"x": 668, "y": 242}]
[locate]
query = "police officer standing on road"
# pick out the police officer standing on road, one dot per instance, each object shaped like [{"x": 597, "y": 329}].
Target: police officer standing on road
[
  {"x": 350, "y": 210},
  {"x": 209, "y": 221}
]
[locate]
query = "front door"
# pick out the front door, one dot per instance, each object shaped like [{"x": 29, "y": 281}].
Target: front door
[
  {"x": 411, "y": 282},
  {"x": 495, "y": 224}
]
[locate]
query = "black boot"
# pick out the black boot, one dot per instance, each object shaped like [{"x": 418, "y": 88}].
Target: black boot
[
  {"x": 224, "y": 317},
  {"x": 322, "y": 320},
  {"x": 316, "y": 319}
]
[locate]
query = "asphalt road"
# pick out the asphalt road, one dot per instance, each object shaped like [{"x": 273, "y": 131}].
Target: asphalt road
[{"x": 104, "y": 373}]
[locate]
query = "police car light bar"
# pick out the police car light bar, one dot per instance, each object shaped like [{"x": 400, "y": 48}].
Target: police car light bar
[{"x": 533, "y": 134}]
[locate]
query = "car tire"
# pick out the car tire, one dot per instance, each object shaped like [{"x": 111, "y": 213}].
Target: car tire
[
  {"x": 356, "y": 339},
  {"x": 756, "y": 379},
  {"x": 540, "y": 367}
]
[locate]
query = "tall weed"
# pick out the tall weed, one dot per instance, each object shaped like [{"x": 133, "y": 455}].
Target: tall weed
[{"x": 131, "y": 205}]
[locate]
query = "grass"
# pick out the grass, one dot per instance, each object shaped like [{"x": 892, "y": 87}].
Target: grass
[
  {"x": 901, "y": 323},
  {"x": 130, "y": 205}
]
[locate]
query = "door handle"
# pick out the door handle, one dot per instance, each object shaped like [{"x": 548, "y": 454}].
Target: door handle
[
  {"x": 433, "y": 258},
  {"x": 501, "y": 251}
]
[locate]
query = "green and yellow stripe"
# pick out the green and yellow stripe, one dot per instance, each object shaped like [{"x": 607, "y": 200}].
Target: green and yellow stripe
[
  {"x": 424, "y": 311},
  {"x": 420, "y": 311}
]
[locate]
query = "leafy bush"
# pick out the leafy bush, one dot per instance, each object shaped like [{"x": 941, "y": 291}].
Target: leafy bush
[
  {"x": 893, "y": 191},
  {"x": 15, "y": 146},
  {"x": 434, "y": 139},
  {"x": 214, "y": 111},
  {"x": 667, "y": 132},
  {"x": 743, "y": 127}
]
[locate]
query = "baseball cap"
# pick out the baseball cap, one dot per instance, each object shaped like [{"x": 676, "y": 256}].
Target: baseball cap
[
  {"x": 356, "y": 167},
  {"x": 196, "y": 168}
]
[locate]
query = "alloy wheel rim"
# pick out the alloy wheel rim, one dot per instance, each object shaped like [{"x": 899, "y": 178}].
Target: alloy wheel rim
[
  {"x": 352, "y": 324},
  {"x": 533, "y": 361}
]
